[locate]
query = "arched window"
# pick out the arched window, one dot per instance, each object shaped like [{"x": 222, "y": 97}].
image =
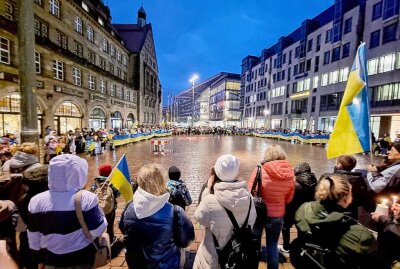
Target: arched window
[
  {"x": 68, "y": 109},
  {"x": 97, "y": 113},
  {"x": 130, "y": 120}
]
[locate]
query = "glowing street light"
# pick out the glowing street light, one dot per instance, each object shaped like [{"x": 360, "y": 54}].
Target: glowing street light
[{"x": 192, "y": 80}]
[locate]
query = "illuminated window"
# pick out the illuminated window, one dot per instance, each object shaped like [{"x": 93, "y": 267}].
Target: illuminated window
[
  {"x": 68, "y": 109},
  {"x": 38, "y": 66},
  {"x": 334, "y": 77},
  {"x": 373, "y": 66},
  {"x": 58, "y": 70},
  {"x": 386, "y": 63},
  {"x": 315, "y": 82},
  {"x": 90, "y": 33},
  {"x": 324, "y": 79}
]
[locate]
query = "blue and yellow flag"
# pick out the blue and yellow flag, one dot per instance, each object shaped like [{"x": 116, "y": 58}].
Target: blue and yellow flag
[
  {"x": 121, "y": 180},
  {"x": 351, "y": 133}
]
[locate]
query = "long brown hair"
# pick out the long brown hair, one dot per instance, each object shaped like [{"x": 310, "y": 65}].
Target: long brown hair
[{"x": 216, "y": 179}]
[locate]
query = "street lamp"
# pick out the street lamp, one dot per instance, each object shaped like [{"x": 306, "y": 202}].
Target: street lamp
[
  {"x": 266, "y": 114},
  {"x": 192, "y": 80}
]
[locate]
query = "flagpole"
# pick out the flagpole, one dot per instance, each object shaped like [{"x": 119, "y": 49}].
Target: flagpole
[{"x": 115, "y": 167}]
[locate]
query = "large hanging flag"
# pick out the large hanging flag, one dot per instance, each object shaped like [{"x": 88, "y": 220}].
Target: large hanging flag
[
  {"x": 121, "y": 180},
  {"x": 351, "y": 133}
]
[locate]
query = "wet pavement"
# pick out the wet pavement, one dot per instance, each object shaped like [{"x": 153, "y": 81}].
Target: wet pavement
[{"x": 195, "y": 155}]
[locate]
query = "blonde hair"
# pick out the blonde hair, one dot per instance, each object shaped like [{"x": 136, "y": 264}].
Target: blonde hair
[
  {"x": 332, "y": 189},
  {"x": 274, "y": 152},
  {"x": 29, "y": 148},
  {"x": 151, "y": 178}
]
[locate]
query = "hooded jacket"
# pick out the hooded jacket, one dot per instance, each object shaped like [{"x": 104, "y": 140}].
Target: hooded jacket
[
  {"x": 54, "y": 231},
  {"x": 211, "y": 214},
  {"x": 152, "y": 231},
  {"x": 277, "y": 186},
  {"x": 329, "y": 227},
  {"x": 27, "y": 177}
]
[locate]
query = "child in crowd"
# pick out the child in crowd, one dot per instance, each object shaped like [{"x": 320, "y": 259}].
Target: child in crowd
[
  {"x": 304, "y": 192},
  {"x": 179, "y": 194},
  {"x": 362, "y": 200},
  {"x": 107, "y": 195}
]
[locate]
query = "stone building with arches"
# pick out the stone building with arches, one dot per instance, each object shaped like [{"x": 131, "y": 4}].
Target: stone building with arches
[{"x": 89, "y": 73}]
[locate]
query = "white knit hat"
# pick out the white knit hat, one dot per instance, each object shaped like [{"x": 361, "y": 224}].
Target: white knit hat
[{"x": 227, "y": 167}]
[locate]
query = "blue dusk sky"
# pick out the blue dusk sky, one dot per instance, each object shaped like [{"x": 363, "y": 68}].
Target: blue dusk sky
[{"x": 209, "y": 37}]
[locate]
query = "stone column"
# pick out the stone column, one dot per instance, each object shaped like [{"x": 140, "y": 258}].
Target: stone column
[{"x": 26, "y": 72}]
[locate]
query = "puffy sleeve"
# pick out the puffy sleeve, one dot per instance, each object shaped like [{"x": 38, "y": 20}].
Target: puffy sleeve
[{"x": 202, "y": 214}]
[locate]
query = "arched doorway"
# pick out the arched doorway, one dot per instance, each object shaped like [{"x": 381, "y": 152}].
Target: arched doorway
[
  {"x": 116, "y": 119},
  {"x": 97, "y": 118},
  {"x": 67, "y": 117},
  {"x": 10, "y": 119},
  {"x": 130, "y": 120}
]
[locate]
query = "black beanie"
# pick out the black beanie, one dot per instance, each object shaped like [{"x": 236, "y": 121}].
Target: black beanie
[{"x": 174, "y": 173}]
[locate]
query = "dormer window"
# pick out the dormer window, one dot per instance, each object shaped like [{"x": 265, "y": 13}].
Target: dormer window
[
  {"x": 100, "y": 21},
  {"x": 85, "y": 7}
]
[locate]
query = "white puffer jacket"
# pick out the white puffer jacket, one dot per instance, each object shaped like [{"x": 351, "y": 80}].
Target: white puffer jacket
[{"x": 210, "y": 213}]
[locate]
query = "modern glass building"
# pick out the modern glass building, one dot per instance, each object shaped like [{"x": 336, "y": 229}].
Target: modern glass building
[
  {"x": 298, "y": 82},
  {"x": 213, "y": 102}
]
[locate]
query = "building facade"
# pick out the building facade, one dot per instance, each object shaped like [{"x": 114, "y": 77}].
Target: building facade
[
  {"x": 298, "y": 83},
  {"x": 213, "y": 102},
  {"x": 86, "y": 75}
]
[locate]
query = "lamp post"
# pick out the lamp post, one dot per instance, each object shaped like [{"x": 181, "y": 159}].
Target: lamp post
[
  {"x": 266, "y": 114},
  {"x": 193, "y": 79}
]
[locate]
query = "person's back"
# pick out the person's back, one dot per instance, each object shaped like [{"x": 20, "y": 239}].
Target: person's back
[
  {"x": 54, "y": 232},
  {"x": 151, "y": 226},
  {"x": 223, "y": 191},
  {"x": 326, "y": 224},
  {"x": 179, "y": 194},
  {"x": 304, "y": 192}
]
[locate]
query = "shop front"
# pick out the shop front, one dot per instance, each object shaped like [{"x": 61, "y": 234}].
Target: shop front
[
  {"x": 97, "y": 118},
  {"x": 67, "y": 117},
  {"x": 116, "y": 119},
  {"x": 299, "y": 123},
  {"x": 10, "y": 119},
  {"x": 130, "y": 121}
]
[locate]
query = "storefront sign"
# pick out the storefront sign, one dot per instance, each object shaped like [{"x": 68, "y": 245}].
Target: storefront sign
[
  {"x": 14, "y": 79},
  {"x": 300, "y": 95},
  {"x": 99, "y": 98},
  {"x": 131, "y": 106},
  {"x": 58, "y": 88},
  {"x": 118, "y": 103}
]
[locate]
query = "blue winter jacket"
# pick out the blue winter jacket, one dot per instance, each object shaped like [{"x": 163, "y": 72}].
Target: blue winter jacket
[{"x": 150, "y": 240}]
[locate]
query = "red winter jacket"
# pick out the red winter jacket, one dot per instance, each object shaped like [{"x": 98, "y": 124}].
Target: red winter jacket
[{"x": 277, "y": 186}]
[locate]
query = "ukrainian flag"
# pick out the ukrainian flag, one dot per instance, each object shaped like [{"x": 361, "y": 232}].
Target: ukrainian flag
[
  {"x": 351, "y": 133},
  {"x": 121, "y": 180}
]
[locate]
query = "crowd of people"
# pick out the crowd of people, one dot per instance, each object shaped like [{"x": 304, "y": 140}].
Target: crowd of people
[{"x": 336, "y": 216}]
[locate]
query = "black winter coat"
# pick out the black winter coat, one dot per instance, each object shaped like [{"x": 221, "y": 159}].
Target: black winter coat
[{"x": 304, "y": 192}]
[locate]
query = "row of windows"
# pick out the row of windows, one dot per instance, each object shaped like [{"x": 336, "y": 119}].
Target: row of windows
[
  {"x": 386, "y": 8},
  {"x": 384, "y": 63},
  {"x": 59, "y": 72},
  {"x": 387, "y": 92},
  {"x": 388, "y": 35},
  {"x": 41, "y": 29},
  {"x": 334, "y": 77}
]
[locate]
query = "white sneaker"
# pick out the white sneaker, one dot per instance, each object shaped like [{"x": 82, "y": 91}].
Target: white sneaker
[{"x": 283, "y": 251}]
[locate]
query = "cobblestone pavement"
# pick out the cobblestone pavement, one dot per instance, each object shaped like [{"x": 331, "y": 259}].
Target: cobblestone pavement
[{"x": 194, "y": 155}]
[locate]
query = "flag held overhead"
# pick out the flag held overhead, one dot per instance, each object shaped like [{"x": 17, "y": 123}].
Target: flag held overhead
[
  {"x": 121, "y": 179},
  {"x": 351, "y": 133}
]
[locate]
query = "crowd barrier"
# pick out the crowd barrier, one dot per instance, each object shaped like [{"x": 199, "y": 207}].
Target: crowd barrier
[
  {"x": 119, "y": 140},
  {"x": 307, "y": 139}
]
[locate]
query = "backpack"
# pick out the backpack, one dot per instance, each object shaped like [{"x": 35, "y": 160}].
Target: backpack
[
  {"x": 242, "y": 250},
  {"x": 179, "y": 194},
  {"x": 105, "y": 195}
]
